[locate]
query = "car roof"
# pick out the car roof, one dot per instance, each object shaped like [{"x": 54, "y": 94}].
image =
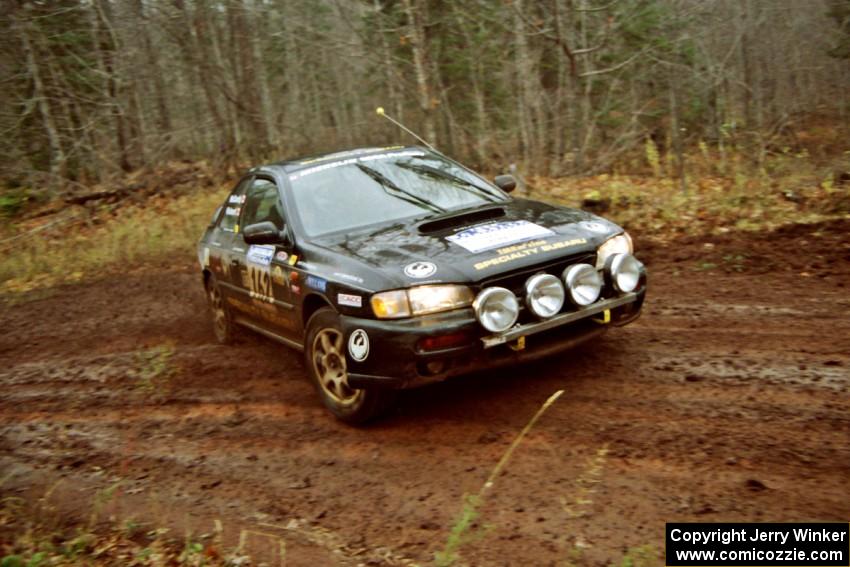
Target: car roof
[{"x": 290, "y": 166}]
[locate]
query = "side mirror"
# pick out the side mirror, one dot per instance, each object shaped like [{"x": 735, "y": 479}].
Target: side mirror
[
  {"x": 265, "y": 233},
  {"x": 506, "y": 183}
]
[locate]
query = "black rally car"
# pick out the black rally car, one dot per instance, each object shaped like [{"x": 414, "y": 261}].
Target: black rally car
[{"x": 395, "y": 267}]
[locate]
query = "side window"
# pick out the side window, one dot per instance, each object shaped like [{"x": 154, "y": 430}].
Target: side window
[
  {"x": 262, "y": 204},
  {"x": 233, "y": 207}
]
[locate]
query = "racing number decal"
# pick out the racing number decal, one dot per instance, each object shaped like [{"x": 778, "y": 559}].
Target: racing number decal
[
  {"x": 260, "y": 281},
  {"x": 258, "y": 276},
  {"x": 259, "y": 272}
]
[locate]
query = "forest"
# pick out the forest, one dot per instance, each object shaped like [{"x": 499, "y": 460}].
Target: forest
[
  {"x": 93, "y": 88},
  {"x": 138, "y": 427}
]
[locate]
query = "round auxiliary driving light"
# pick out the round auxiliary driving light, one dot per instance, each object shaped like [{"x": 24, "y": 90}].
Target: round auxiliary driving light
[
  {"x": 544, "y": 295},
  {"x": 624, "y": 272},
  {"x": 583, "y": 283},
  {"x": 496, "y": 309}
]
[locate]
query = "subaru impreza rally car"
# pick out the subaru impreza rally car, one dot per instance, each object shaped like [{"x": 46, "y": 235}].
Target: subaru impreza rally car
[{"x": 395, "y": 267}]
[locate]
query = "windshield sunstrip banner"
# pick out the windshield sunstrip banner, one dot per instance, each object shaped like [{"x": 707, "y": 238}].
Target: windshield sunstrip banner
[{"x": 349, "y": 161}]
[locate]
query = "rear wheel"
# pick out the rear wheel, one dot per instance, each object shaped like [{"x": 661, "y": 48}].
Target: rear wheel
[
  {"x": 223, "y": 326},
  {"x": 325, "y": 357}
]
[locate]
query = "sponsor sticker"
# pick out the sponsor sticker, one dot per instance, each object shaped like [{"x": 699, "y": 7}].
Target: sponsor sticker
[
  {"x": 281, "y": 256},
  {"x": 348, "y": 277},
  {"x": 358, "y": 345},
  {"x": 594, "y": 226},
  {"x": 349, "y": 300},
  {"x": 278, "y": 276},
  {"x": 206, "y": 258},
  {"x": 420, "y": 270},
  {"x": 317, "y": 283},
  {"x": 260, "y": 254},
  {"x": 489, "y": 236},
  {"x": 292, "y": 260}
]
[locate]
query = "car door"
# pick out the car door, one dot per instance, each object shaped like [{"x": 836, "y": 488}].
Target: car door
[
  {"x": 261, "y": 270},
  {"x": 220, "y": 240}
]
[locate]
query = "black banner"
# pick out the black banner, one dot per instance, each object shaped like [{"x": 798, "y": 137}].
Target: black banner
[{"x": 759, "y": 545}]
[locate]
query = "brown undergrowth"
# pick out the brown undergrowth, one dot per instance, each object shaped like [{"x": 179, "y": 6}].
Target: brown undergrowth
[{"x": 723, "y": 192}]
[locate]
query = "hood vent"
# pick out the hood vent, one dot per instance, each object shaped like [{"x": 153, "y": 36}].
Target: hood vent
[{"x": 458, "y": 219}]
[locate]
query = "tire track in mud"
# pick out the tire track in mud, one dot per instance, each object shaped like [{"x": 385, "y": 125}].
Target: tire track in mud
[{"x": 721, "y": 403}]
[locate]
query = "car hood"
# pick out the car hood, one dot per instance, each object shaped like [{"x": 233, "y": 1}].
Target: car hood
[{"x": 469, "y": 247}]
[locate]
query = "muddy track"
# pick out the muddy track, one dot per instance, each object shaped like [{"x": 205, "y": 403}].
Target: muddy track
[{"x": 728, "y": 400}]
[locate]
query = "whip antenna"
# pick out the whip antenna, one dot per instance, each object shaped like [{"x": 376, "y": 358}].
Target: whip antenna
[{"x": 380, "y": 112}]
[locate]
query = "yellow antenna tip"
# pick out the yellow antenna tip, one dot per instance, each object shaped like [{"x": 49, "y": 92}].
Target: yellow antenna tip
[{"x": 380, "y": 111}]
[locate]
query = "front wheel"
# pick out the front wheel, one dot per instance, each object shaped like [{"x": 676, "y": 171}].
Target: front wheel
[
  {"x": 223, "y": 325},
  {"x": 325, "y": 358}
]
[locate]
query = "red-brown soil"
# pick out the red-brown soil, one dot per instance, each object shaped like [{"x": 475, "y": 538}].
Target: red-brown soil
[{"x": 729, "y": 400}]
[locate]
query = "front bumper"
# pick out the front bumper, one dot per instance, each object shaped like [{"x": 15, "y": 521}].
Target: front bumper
[{"x": 397, "y": 359}]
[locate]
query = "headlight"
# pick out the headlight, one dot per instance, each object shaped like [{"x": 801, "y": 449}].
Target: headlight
[
  {"x": 420, "y": 300},
  {"x": 620, "y": 244},
  {"x": 496, "y": 309},
  {"x": 583, "y": 283},
  {"x": 623, "y": 271},
  {"x": 433, "y": 298},
  {"x": 544, "y": 295},
  {"x": 391, "y": 304}
]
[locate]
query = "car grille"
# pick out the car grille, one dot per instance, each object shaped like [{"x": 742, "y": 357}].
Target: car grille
[{"x": 515, "y": 281}]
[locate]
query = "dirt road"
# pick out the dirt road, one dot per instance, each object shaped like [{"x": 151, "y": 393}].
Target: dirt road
[{"x": 729, "y": 400}]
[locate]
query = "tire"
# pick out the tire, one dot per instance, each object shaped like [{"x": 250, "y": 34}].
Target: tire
[
  {"x": 324, "y": 353},
  {"x": 223, "y": 325}
]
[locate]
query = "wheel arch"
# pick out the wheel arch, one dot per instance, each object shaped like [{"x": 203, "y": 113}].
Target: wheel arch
[{"x": 312, "y": 303}]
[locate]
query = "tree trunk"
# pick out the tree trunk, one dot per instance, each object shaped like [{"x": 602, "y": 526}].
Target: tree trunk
[
  {"x": 418, "y": 40},
  {"x": 481, "y": 133},
  {"x": 198, "y": 62},
  {"x": 57, "y": 154},
  {"x": 295, "y": 118},
  {"x": 390, "y": 71},
  {"x": 107, "y": 47},
  {"x": 137, "y": 124},
  {"x": 586, "y": 129},
  {"x": 247, "y": 91},
  {"x": 155, "y": 74},
  {"x": 675, "y": 132},
  {"x": 257, "y": 29},
  {"x": 522, "y": 65}
]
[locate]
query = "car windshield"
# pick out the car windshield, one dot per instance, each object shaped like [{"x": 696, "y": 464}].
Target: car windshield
[{"x": 377, "y": 188}]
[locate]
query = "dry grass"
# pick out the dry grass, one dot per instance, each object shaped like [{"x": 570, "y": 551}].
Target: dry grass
[
  {"x": 462, "y": 530},
  {"x": 36, "y": 534},
  {"x": 159, "y": 229},
  {"x": 724, "y": 192}
]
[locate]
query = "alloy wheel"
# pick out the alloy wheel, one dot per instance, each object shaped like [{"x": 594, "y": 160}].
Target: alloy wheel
[{"x": 329, "y": 364}]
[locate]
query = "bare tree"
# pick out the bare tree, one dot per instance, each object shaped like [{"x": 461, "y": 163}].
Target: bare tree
[{"x": 559, "y": 86}]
